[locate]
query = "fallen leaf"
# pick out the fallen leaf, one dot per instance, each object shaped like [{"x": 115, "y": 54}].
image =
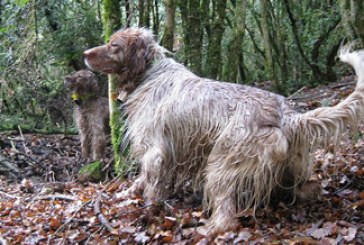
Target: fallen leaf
[
  {"x": 350, "y": 234},
  {"x": 141, "y": 237}
]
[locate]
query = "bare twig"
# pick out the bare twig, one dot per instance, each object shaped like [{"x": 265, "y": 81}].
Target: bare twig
[
  {"x": 101, "y": 217},
  {"x": 168, "y": 205},
  {"x": 92, "y": 235},
  {"x": 26, "y": 149}
]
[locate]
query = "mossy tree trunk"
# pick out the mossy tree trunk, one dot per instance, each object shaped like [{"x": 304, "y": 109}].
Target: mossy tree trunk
[
  {"x": 111, "y": 22},
  {"x": 353, "y": 18},
  {"x": 192, "y": 33},
  {"x": 240, "y": 13},
  {"x": 194, "y": 20},
  {"x": 267, "y": 41},
  {"x": 168, "y": 36},
  {"x": 346, "y": 17},
  {"x": 281, "y": 52},
  {"x": 214, "y": 47},
  {"x": 182, "y": 6}
]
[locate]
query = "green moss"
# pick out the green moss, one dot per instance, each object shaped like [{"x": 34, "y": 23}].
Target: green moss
[
  {"x": 111, "y": 17},
  {"x": 91, "y": 172},
  {"x": 111, "y": 23}
]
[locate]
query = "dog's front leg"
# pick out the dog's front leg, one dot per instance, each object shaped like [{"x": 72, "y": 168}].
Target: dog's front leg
[
  {"x": 85, "y": 135},
  {"x": 98, "y": 138},
  {"x": 155, "y": 177},
  {"x": 157, "y": 174}
]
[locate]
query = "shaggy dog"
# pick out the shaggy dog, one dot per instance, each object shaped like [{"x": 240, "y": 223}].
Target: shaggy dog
[
  {"x": 91, "y": 113},
  {"x": 241, "y": 145}
]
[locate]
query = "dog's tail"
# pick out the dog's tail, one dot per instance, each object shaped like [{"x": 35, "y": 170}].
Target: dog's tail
[{"x": 321, "y": 124}]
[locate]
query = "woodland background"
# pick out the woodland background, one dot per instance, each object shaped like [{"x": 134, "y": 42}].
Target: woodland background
[{"x": 280, "y": 45}]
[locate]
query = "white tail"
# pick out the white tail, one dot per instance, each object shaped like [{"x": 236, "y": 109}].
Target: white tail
[
  {"x": 355, "y": 59},
  {"x": 321, "y": 124}
]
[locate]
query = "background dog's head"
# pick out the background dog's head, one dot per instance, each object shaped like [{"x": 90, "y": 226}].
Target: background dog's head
[
  {"x": 129, "y": 51},
  {"x": 83, "y": 85}
]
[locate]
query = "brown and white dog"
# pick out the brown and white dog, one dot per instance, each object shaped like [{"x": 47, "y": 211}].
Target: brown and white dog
[
  {"x": 91, "y": 113},
  {"x": 240, "y": 145}
]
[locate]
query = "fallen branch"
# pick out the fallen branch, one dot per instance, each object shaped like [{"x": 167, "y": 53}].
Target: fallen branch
[
  {"x": 297, "y": 92},
  {"x": 57, "y": 196},
  {"x": 342, "y": 84},
  {"x": 101, "y": 217},
  {"x": 8, "y": 195}
]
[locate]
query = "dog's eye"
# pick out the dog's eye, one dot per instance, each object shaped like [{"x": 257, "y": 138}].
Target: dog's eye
[{"x": 114, "y": 45}]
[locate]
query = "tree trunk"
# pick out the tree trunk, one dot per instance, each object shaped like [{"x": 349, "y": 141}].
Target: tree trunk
[
  {"x": 281, "y": 36},
  {"x": 141, "y": 13},
  {"x": 267, "y": 42},
  {"x": 214, "y": 48},
  {"x": 357, "y": 10},
  {"x": 240, "y": 13},
  {"x": 111, "y": 22},
  {"x": 194, "y": 22},
  {"x": 155, "y": 12},
  {"x": 168, "y": 36},
  {"x": 147, "y": 13},
  {"x": 1, "y": 11},
  {"x": 346, "y": 17},
  {"x": 353, "y": 18},
  {"x": 182, "y": 5},
  {"x": 192, "y": 41},
  {"x": 129, "y": 14}
]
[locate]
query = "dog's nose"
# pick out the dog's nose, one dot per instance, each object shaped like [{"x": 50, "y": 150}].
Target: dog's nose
[{"x": 88, "y": 53}]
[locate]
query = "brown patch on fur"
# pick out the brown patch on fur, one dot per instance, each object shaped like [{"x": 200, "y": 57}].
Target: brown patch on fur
[
  {"x": 91, "y": 113},
  {"x": 236, "y": 143}
]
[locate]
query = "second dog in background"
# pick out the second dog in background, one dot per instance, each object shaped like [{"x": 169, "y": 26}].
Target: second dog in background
[{"x": 91, "y": 113}]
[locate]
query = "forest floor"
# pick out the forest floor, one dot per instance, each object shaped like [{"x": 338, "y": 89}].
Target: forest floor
[{"x": 41, "y": 201}]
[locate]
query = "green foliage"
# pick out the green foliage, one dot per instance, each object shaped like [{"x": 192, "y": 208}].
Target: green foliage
[
  {"x": 42, "y": 41},
  {"x": 21, "y": 3}
]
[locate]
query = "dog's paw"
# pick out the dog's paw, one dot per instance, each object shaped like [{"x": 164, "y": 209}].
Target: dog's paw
[{"x": 212, "y": 228}]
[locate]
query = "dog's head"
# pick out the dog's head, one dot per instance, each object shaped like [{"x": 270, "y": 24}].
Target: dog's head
[
  {"x": 129, "y": 51},
  {"x": 83, "y": 85}
]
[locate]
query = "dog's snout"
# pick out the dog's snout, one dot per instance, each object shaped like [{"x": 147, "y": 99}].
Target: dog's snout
[{"x": 88, "y": 53}]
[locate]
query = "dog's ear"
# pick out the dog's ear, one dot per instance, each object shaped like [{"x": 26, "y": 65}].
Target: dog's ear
[{"x": 136, "y": 56}]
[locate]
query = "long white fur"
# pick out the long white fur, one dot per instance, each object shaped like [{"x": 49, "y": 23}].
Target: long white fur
[
  {"x": 184, "y": 127},
  {"x": 237, "y": 143}
]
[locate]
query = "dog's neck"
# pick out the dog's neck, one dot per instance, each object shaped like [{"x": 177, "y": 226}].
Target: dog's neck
[{"x": 130, "y": 82}]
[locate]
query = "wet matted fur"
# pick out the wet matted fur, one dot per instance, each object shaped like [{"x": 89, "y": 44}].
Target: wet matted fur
[
  {"x": 240, "y": 144},
  {"x": 91, "y": 112}
]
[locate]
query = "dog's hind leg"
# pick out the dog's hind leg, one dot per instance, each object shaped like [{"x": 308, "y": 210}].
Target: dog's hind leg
[{"x": 220, "y": 196}]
